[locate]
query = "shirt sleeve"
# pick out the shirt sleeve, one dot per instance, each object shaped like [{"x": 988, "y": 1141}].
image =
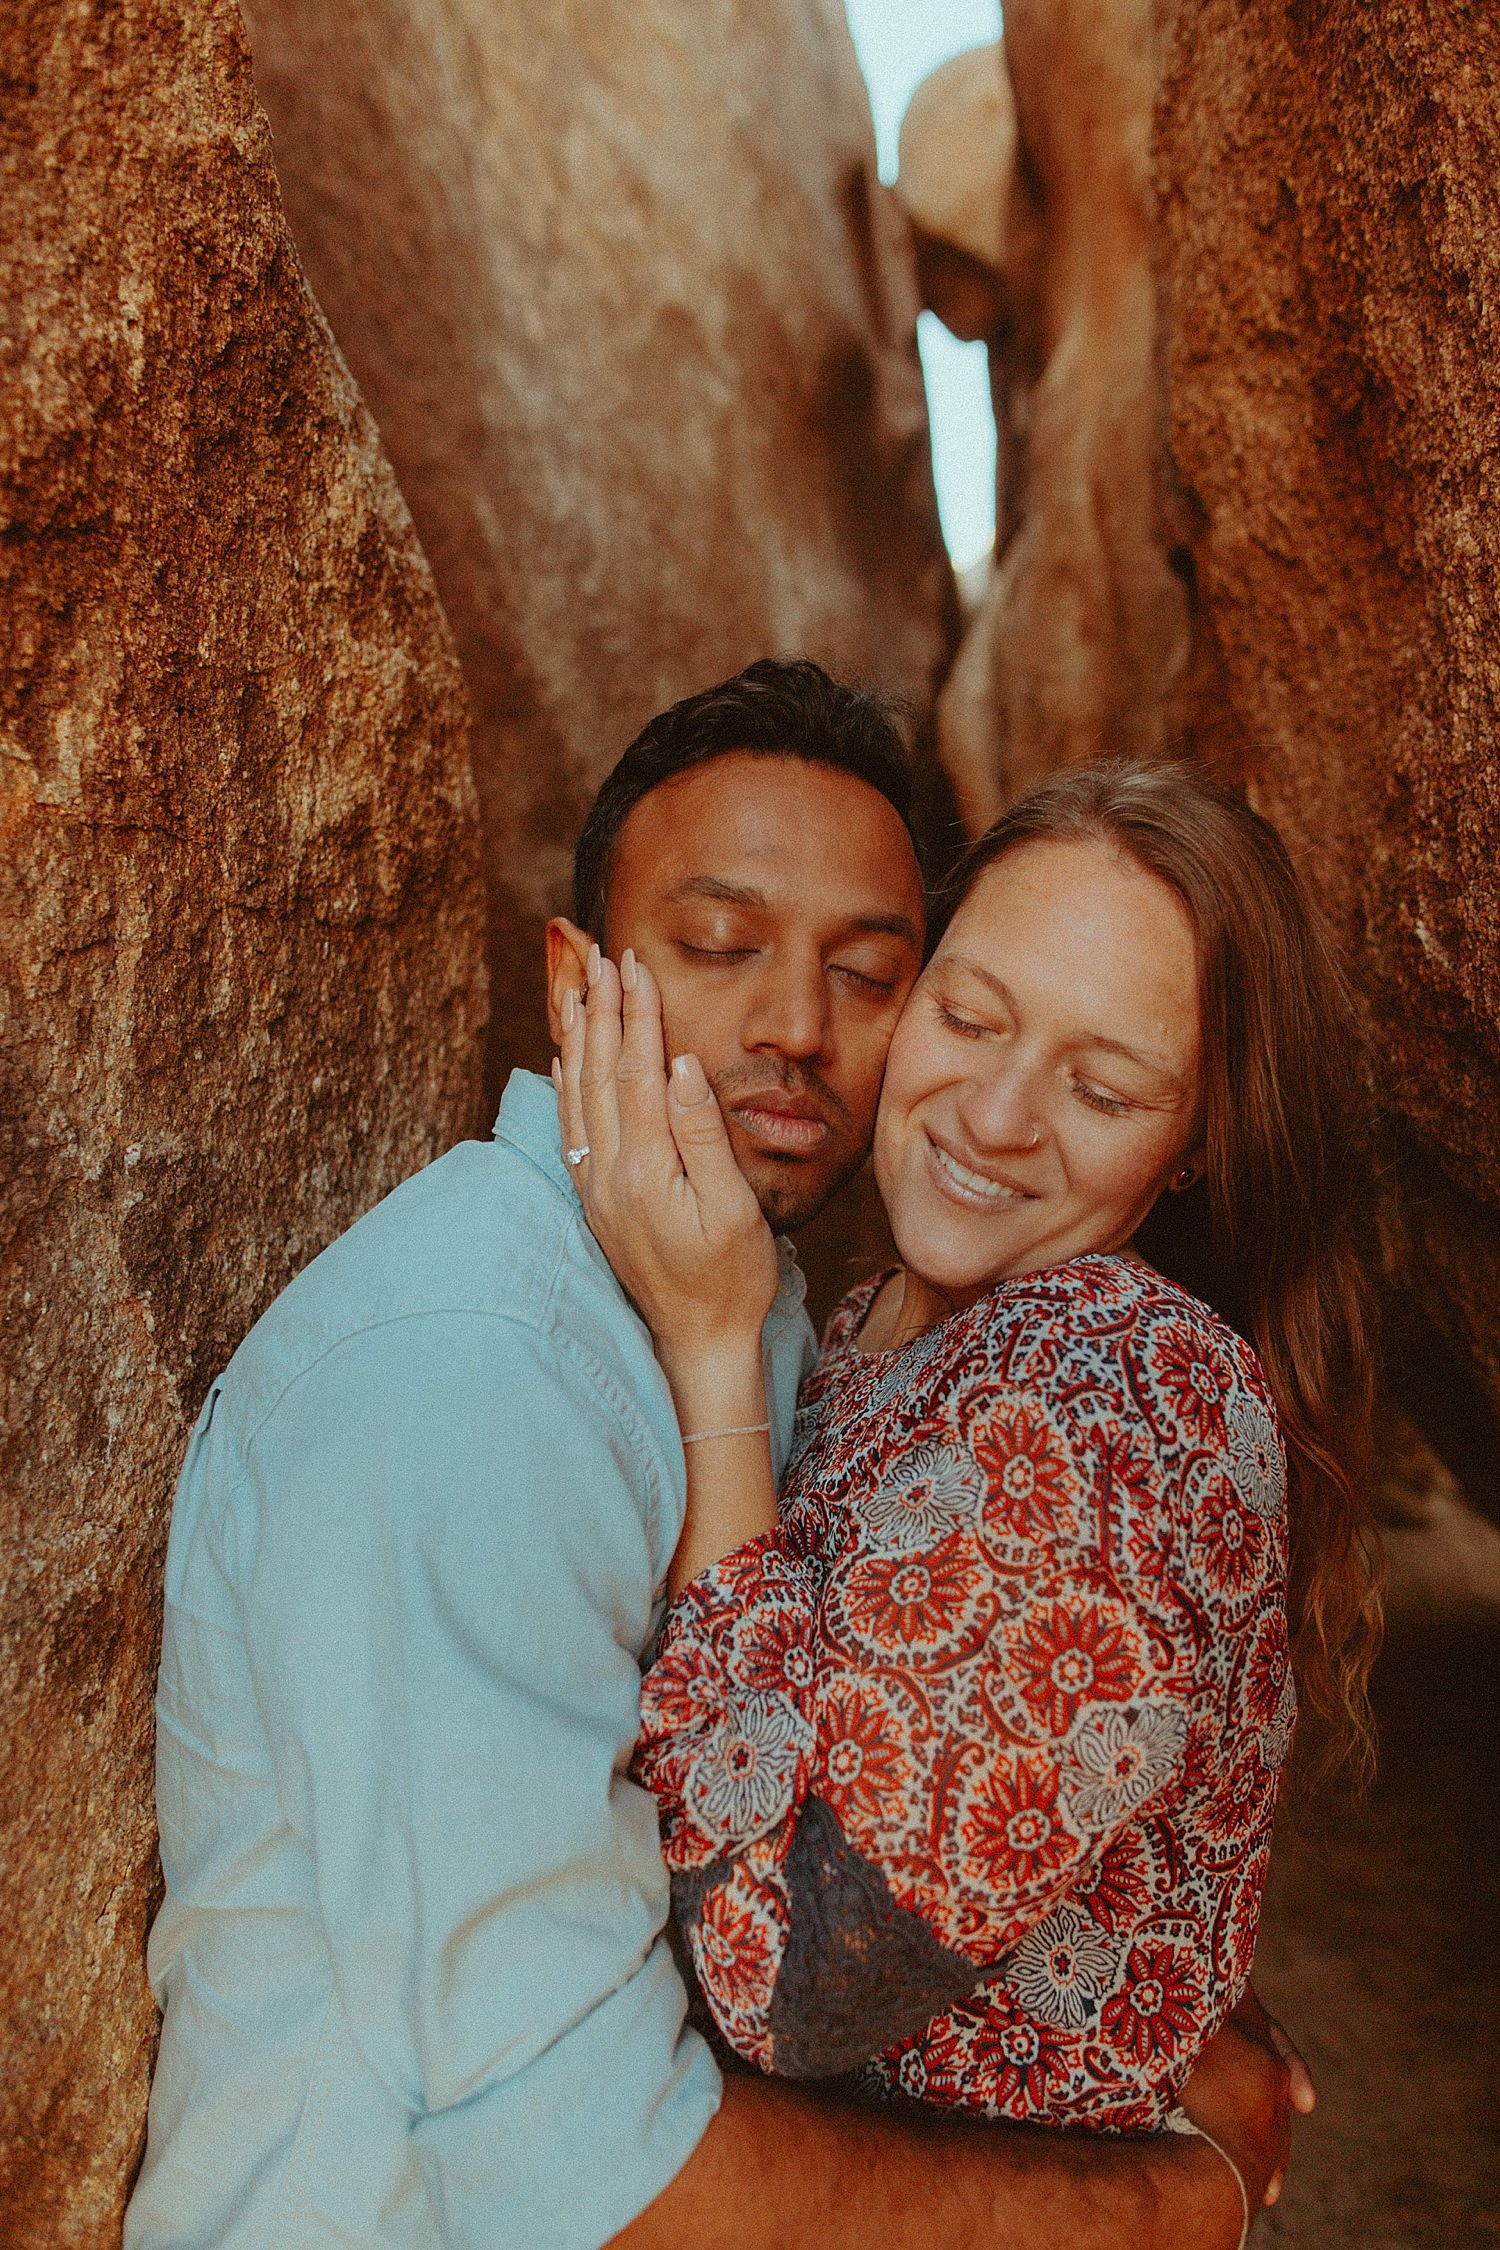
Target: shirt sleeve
[
  {"x": 881, "y": 1757},
  {"x": 444, "y": 1551}
]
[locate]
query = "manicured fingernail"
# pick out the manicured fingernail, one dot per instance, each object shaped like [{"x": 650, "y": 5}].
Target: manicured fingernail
[
  {"x": 557, "y": 1073},
  {"x": 689, "y": 1085},
  {"x": 569, "y": 1008},
  {"x": 627, "y": 968},
  {"x": 595, "y": 965}
]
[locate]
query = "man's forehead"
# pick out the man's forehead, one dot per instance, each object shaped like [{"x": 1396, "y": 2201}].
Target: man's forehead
[
  {"x": 770, "y": 834},
  {"x": 753, "y": 898}
]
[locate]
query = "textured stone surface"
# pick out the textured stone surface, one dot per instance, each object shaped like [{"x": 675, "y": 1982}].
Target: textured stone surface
[
  {"x": 957, "y": 171},
  {"x": 242, "y": 933},
  {"x": 637, "y": 323},
  {"x": 1081, "y": 642},
  {"x": 1330, "y": 249}
]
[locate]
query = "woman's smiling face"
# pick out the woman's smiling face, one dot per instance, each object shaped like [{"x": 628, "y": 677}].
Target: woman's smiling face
[{"x": 1043, "y": 1085}]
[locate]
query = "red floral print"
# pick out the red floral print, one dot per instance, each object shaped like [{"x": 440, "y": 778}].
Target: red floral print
[
  {"x": 1017, "y": 1652},
  {"x": 1010, "y": 1832},
  {"x": 737, "y": 1941},
  {"x": 1074, "y": 1651},
  {"x": 1158, "y": 2006},
  {"x": 906, "y": 1605},
  {"x": 1194, "y": 1377},
  {"x": 1121, "y": 1887},
  {"x": 1027, "y": 1472},
  {"x": 863, "y": 1753},
  {"x": 1230, "y": 1540}
]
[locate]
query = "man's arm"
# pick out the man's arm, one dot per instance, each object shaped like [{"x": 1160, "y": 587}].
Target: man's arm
[{"x": 780, "y": 2169}]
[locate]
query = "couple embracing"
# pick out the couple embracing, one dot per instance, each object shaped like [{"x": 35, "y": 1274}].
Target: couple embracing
[{"x": 971, "y": 1644}]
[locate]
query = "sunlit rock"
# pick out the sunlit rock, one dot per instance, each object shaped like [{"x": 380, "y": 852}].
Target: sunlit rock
[
  {"x": 1082, "y": 644},
  {"x": 637, "y": 322},
  {"x": 1330, "y": 254},
  {"x": 242, "y": 940}
]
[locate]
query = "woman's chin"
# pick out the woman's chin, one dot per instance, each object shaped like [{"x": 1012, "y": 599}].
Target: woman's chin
[{"x": 957, "y": 1271}]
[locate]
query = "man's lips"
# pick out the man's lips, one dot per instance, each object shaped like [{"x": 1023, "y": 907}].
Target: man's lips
[{"x": 787, "y": 1124}]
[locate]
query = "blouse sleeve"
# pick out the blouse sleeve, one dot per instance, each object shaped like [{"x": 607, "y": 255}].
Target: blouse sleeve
[{"x": 879, "y": 1764}]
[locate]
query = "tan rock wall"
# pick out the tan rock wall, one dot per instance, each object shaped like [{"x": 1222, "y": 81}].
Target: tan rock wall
[
  {"x": 242, "y": 930},
  {"x": 637, "y": 323},
  {"x": 1081, "y": 643},
  {"x": 1330, "y": 252}
]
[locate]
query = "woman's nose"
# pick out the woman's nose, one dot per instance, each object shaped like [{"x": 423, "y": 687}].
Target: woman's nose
[{"x": 1002, "y": 1111}]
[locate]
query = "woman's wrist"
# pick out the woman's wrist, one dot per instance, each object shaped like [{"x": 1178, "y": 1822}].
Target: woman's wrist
[{"x": 718, "y": 1386}]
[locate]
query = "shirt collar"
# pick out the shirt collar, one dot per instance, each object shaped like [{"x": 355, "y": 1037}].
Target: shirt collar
[{"x": 528, "y": 1121}]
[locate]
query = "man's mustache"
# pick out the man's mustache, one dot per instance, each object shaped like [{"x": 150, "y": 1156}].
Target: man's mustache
[{"x": 739, "y": 1079}]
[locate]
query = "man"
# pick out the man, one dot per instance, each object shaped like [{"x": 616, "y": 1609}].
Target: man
[{"x": 416, "y": 1989}]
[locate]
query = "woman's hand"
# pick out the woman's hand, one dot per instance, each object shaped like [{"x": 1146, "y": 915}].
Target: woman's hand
[
  {"x": 679, "y": 1223},
  {"x": 672, "y": 1211}
]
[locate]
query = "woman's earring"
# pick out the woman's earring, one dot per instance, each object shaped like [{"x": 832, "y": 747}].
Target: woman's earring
[{"x": 1185, "y": 1177}]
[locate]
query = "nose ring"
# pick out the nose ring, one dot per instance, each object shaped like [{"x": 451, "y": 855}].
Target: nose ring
[{"x": 1036, "y": 1137}]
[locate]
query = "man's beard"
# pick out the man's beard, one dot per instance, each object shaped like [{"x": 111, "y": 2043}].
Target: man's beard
[
  {"x": 791, "y": 1204},
  {"x": 788, "y": 1198}
]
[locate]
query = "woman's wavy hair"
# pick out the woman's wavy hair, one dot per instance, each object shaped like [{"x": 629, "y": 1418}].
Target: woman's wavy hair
[{"x": 1278, "y": 1237}]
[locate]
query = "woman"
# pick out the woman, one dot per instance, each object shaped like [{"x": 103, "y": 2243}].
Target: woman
[{"x": 966, "y": 1765}]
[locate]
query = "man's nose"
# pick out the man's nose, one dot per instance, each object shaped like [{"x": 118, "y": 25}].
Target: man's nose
[{"x": 789, "y": 1011}]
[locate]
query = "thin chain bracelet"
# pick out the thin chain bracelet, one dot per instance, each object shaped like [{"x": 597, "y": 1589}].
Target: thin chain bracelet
[{"x": 735, "y": 1429}]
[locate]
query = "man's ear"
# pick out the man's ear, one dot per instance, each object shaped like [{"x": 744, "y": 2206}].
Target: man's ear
[{"x": 567, "y": 963}]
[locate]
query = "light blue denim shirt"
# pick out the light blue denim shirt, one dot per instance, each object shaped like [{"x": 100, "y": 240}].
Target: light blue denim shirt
[{"x": 411, "y": 1958}]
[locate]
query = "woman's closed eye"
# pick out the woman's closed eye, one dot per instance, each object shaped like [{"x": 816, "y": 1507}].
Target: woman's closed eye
[
  {"x": 967, "y": 1027},
  {"x": 1095, "y": 1097}
]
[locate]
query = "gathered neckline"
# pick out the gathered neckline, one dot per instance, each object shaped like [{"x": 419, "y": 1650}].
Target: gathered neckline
[{"x": 854, "y": 1311}]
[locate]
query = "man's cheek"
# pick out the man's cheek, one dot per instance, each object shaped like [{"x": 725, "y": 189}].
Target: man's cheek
[{"x": 862, "y": 1093}]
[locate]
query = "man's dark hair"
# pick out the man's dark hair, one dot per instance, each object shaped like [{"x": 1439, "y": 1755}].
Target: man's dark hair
[{"x": 781, "y": 707}]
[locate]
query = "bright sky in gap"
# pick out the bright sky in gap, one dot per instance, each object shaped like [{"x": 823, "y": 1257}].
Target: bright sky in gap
[{"x": 898, "y": 43}]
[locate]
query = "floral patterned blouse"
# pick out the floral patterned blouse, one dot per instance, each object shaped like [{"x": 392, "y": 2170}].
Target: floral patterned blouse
[{"x": 966, "y": 1771}]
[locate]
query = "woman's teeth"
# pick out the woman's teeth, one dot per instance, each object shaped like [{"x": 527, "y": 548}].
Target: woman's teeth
[{"x": 973, "y": 1185}]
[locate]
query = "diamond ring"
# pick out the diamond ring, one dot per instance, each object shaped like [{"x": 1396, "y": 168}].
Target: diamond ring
[{"x": 575, "y": 1156}]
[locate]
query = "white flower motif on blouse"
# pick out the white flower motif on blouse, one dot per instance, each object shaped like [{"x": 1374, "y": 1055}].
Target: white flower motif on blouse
[
  {"x": 1119, "y": 1757},
  {"x": 1255, "y": 1456},
  {"x": 928, "y": 1493},
  {"x": 1062, "y": 1969},
  {"x": 743, "y": 1781}
]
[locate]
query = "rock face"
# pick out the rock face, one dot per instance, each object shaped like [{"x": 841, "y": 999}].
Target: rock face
[
  {"x": 637, "y": 323},
  {"x": 1330, "y": 251},
  {"x": 1082, "y": 642},
  {"x": 241, "y": 976},
  {"x": 957, "y": 177}
]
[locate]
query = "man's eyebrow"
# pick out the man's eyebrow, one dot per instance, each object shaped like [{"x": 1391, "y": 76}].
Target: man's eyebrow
[
  {"x": 745, "y": 894},
  {"x": 1095, "y": 1039},
  {"x": 888, "y": 925},
  {"x": 715, "y": 887}
]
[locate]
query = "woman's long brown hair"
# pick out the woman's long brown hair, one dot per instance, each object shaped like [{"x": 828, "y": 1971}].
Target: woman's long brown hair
[{"x": 1278, "y": 1239}]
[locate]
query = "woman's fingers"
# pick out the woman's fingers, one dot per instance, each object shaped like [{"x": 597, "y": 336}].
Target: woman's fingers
[
  {"x": 566, "y": 1073},
  {"x": 641, "y": 1075},
  {"x": 597, "y": 1091},
  {"x": 1304, "y": 2094},
  {"x": 723, "y": 1192}
]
